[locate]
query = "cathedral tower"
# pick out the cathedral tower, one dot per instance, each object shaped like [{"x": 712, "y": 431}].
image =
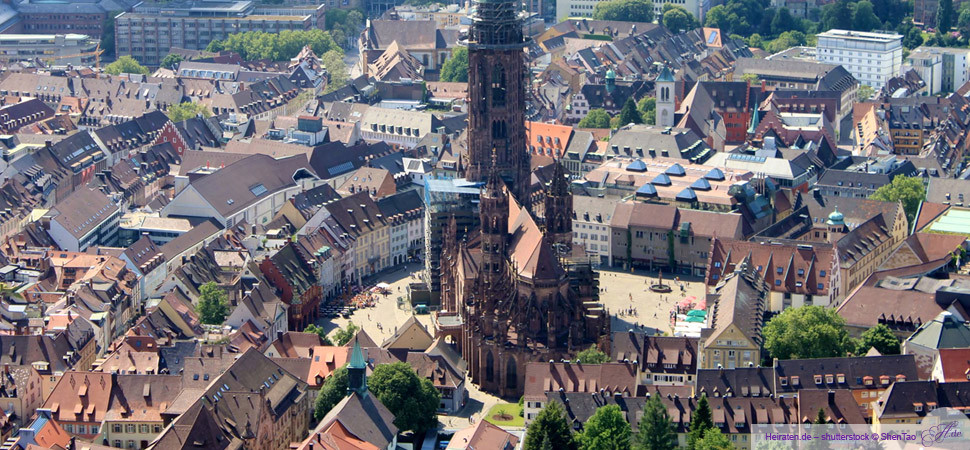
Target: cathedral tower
[{"x": 496, "y": 112}]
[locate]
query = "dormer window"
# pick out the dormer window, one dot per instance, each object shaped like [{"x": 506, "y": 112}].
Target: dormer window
[
  {"x": 784, "y": 380},
  {"x": 867, "y": 381},
  {"x": 841, "y": 378},
  {"x": 829, "y": 379},
  {"x": 818, "y": 379},
  {"x": 884, "y": 380},
  {"x": 900, "y": 377},
  {"x": 918, "y": 407},
  {"x": 794, "y": 381}
]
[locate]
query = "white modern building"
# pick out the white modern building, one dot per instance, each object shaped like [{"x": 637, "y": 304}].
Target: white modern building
[
  {"x": 943, "y": 69},
  {"x": 873, "y": 58},
  {"x": 584, "y": 8},
  {"x": 59, "y": 49}
]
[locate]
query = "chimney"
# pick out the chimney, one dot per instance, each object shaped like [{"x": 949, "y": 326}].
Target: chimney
[{"x": 831, "y": 397}]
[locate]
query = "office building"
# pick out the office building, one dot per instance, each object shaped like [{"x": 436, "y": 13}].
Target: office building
[
  {"x": 584, "y": 8},
  {"x": 943, "y": 69},
  {"x": 151, "y": 30},
  {"x": 873, "y": 58},
  {"x": 60, "y": 49}
]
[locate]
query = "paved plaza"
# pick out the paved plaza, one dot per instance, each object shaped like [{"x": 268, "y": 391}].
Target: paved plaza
[
  {"x": 633, "y": 305},
  {"x": 625, "y": 295}
]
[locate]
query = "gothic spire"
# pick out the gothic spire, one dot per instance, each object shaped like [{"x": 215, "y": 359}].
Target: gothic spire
[{"x": 357, "y": 371}]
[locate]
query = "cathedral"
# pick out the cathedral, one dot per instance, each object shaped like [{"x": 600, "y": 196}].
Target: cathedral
[{"x": 514, "y": 290}]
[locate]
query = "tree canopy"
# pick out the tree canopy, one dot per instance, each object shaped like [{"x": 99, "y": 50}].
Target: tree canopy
[
  {"x": 648, "y": 110},
  {"x": 333, "y": 61},
  {"x": 595, "y": 118},
  {"x": 713, "y": 439},
  {"x": 551, "y": 426},
  {"x": 334, "y": 390},
  {"x": 171, "y": 60},
  {"x": 606, "y": 429},
  {"x": 909, "y": 190},
  {"x": 656, "y": 431},
  {"x": 126, "y": 64},
  {"x": 213, "y": 305},
  {"x": 187, "y": 110},
  {"x": 700, "y": 422},
  {"x": 592, "y": 355},
  {"x": 944, "y": 16},
  {"x": 630, "y": 114},
  {"x": 343, "y": 335},
  {"x": 344, "y": 25},
  {"x": 625, "y": 10},
  {"x": 413, "y": 400},
  {"x": 319, "y": 331},
  {"x": 455, "y": 69},
  {"x": 806, "y": 332},
  {"x": 880, "y": 337},
  {"x": 676, "y": 18},
  {"x": 282, "y": 46}
]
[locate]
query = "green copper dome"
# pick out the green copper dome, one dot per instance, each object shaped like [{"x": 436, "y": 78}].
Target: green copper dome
[
  {"x": 836, "y": 218},
  {"x": 610, "y": 74}
]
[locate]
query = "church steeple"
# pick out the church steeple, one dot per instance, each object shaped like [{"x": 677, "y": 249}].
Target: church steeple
[
  {"x": 357, "y": 371},
  {"x": 494, "y": 217},
  {"x": 559, "y": 208},
  {"x": 496, "y": 88}
]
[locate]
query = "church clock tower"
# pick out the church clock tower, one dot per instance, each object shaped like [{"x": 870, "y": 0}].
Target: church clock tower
[{"x": 496, "y": 89}]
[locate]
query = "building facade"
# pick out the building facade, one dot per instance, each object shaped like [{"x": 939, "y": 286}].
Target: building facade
[
  {"x": 150, "y": 31},
  {"x": 873, "y": 58}
]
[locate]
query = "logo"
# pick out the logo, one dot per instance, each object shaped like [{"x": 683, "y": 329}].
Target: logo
[{"x": 938, "y": 433}]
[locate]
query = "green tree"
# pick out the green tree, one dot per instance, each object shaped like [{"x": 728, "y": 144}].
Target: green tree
[
  {"x": 595, "y": 118},
  {"x": 880, "y": 337},
  {"x": 944, "y": 17},
  {"x": 333, "y": 61},
  {"x": 607, "y": 429},
  {"x": 713, "y": 440},
  {"x": 108, "y": 34},
  {"x": 785, "y": 41},
  {"x": 546, "y": 443},
  {"x": 755, "y": 40},
  {"x": 254, "y": 45},
  {"x": 343, "y": 335},
  {"x": 319, "y": 331},
  {"x": 592, "y": 355},
  {"x": 413, "y": 400},
  {"x": 865, "y": 92},
  {"x": 909, "y": 190},
  {"x": 125, "y": 64},
  {"x": 837, "y": 15},
  {"x": 550, "y": 425},
  {"x": 676, "y": 18},
  {"x": 783, "y": 21},
  {"x": 699, "y": 423},
  {"x": 187, "y": 110},
  {"x": 455, "y": 69},
  {"x": 648, "y": 110},
  {"x": 656, "y": 431},
  {"x": 334, "y": 390},
  {"x": 863, "y": 18},
  {"x": 806, "y": 332},
  {"x": 171, "y": 60},
  {"x": 625, "y": 10},
  {"x": 629, "y": 113},
  {"x": 213, "y": 305}
]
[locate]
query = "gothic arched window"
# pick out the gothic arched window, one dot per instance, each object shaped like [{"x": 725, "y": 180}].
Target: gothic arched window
[
  {"x": 489, "y": 367},
  {"x": 498, "y": 86},
  {"x": 511, "y": 376}
]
